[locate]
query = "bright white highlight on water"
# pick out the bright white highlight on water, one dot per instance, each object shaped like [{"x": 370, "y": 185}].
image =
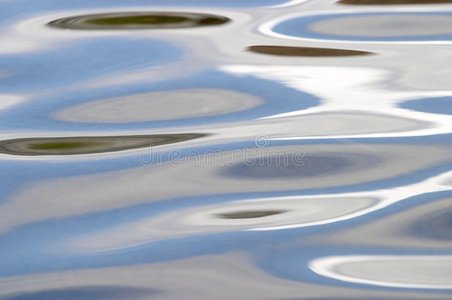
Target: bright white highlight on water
[{"x": 398, "y": 271}]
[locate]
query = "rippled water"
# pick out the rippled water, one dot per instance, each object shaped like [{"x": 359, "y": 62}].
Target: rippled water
[{"x": 271, "y": 149}]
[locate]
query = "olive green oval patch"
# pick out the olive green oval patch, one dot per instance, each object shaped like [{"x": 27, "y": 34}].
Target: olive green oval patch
[
  {"x": 89, "y": 145},
  {"x": 138, "y": 20},
  {"x": 304, "y": 51}
]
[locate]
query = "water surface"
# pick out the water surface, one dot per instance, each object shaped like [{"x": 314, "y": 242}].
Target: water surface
[{"x": 267, "y": 149}]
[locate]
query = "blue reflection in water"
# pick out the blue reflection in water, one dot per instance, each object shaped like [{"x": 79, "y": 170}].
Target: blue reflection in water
[
  {"x": 9, "y": 8},
  {"x": 292, "y": 262},
  {"x": 42, "y": 246},
  {"x": 80, "y": 61},
  {"x": 345, "y": 26},
  {"x": 37, "y": 113},
  {"x": 159, "y": 209},
  {"x": 440, "y": 105},
  {"x": 87, "y": 293}
]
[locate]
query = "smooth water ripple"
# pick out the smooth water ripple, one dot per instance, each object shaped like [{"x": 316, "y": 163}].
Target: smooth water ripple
[
  {"x": 268, "y": 149},
  {"x": 392, "y": 2},
  {"x": 421, "y": 272},
  {"x": 395, "y": 27},
  {"x": 161, "y": 106}
]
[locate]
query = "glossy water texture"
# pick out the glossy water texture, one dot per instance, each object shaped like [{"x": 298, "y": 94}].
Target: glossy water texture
[
  {"x": 304, "y": 51},
  {"x": 392, "y": 2},
  {"x": 138, "y": 20},
  {"x": 259, "y": 149},
  {"x": 88, "y": 145}
]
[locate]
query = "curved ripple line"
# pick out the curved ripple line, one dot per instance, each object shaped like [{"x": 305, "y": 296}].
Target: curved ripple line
[
  {"x": 330, "y": 267},
  {"x": 207, "y": 219},
  {"x": 268, "y": 27},
  {"x": 347, "y": 95}
]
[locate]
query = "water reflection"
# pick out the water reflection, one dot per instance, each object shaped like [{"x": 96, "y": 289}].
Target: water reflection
[
  {"x": 251, "y": 215},
  {"x": 139, "y": 20},
  {"x": 305, "y": 51},
  {"x": 292, "y": 165},
  {"x": 392, "y": 2},
  {"x": 161, "y": 106},
  {"x": 440, "y": 105},
  {"x": 88, "y": 145},
  {"x": 272, "y": 156},
  {"x": 418, "y": 226},
  {"x": 223, "y": 277},
  {"x": 139, "y": 179},
  {"x": 419, "y": 272},
  {"x": 367, "y": 27},
  {"x": 86, "y": 293},
  {"x": 70, "y": 63},
  {"x": 436, "y": 226}
]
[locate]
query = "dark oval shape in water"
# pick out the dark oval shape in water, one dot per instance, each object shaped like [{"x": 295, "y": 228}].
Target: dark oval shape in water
[
  {"x": 305, "y": 51},
  {"x": 392, "y": 2},
  {"x": 437, "y": 225},
  {"x": 89, "y": 145},
  {"x": 250, "y": 214},
  {"x": 139, "y": 20}
]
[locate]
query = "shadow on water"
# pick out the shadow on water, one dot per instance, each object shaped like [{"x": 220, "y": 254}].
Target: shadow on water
[
  {"x": 392, "y": 2},
  {"x": 139, "y": 20},
  {"x": 305, "y": 51},
  {"x": 437, "y": 225},
  {"x": 252, "y": 214},
  {"x": 431, "y": 221},
  {"x": 89, "y": 145},
  {"x": 291, "y": 165}
]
